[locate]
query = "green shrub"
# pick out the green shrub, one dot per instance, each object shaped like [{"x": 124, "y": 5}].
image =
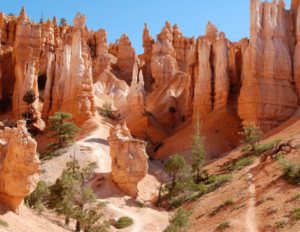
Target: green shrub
[
  {"x": 181, "y": 219},
  {"x": 280, "y": 224},
  {"x": 35, "y": 199},
  {"x": 3, "y": 223},
  {"x": 294, "y": 197},
  {"x": 223, "y": 225},
  {"x": 240, "y": 164},
  {"x": 124, "y": 222},
  {"x": 227, "y": 202},
  {"x": 291, "y": 171},
  {"x": 246, "y": 148},
  {"x": 106, "y": 109},
  {"x": 296, "y": 214}
]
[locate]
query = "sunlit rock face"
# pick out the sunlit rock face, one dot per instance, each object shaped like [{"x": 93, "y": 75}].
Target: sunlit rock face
[
  {"x": 136, "y": 96},
  {"x": 26, "y": 51},
  {"x": 267, "y": 96},
  {"x": 129, "y": 159},
  {"x": 20, "y": 167},
  {"x": 73, "y": 84},
  {"x": 163, "y": 62},
  {"x": 126, "y": 55}
]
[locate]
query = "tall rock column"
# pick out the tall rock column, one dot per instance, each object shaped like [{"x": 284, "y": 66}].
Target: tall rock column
[
  {"x": 222, "y": 81},
  {"x": 147, "y": 45},
  {"x": 129, "y": 159},
  {"x": 136, "y": 96},
  {"x": 21, "y": 170},
  {"x": 163, "y": 63},
  {"x": 203, "y": 83},
  {"x": 126, "y": 55},
  {"x": 295, "y": 4},
  {"x": 267, "y": 97},
  {"x": 73, "y": 84},
  {"x": 27, "y": 49},
  {"x": 297, "y": 56}
]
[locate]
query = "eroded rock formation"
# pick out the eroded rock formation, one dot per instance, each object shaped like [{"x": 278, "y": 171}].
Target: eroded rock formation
[
  {"x": 267, "y": 96},
  {"x": 20, "y": 167},
  {"x": 129, "y": 159},
  {"x": 163, "y": 62},
  {"x": 136, "y": 96},
  {"x": 126, "y": 55}
]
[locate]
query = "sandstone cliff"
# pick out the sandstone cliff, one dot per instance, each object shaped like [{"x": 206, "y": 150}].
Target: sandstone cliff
[
  {"x": 129, "y": 159},
  {"x": 20, "y": 167}
]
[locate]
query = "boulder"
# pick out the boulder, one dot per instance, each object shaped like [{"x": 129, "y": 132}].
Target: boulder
[
  {"x": 20, "y": 167},
  {"x": 129, "y": 159}
]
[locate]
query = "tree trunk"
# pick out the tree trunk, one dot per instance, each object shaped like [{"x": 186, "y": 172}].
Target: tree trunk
[
  {"x": 159, "y": 194},
  {"x": 77, "y": 226},
  {"x": 173, "y": 180},
  {"x": 67, "y": 221}
]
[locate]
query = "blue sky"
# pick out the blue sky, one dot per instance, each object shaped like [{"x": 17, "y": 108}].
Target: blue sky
[{"x": 128, "y": 16}]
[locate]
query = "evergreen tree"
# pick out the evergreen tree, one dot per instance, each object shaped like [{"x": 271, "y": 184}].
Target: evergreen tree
[
  {"x": 252, "y": 135},
  {"x": 175, "y": 164},
  {"x": 179, "y": 221},
  {"x": 62, "y": 21},
  {"x": 63, "y": 131},
  {"x": 197, "y": 148},
  {"x": 69, "y": 196},
  {"x": 29, "y": 98},
  {"x": 117, "y": 42},
  {"x": 162, "y": 177},
  {"x": 42, "y": 17},
  {"x": 35, "y": 199}
]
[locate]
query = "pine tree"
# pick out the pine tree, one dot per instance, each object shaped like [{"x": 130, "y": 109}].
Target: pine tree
[
  {"x": 175, "y": 164},
  {"x": 29, "y": 98},
  {"x": 197, "y": 148},
  {"x": 69, "y": 196},
  {"x": 35, "y": 199},
  {"x": 162, "y": 177},
  {"x": 64, "y": 131},
  {"x": 180, "y": 220},
  {"x": 252, "y": 135},
  {"x": 62, "y": 21},
  {"x": 42, "y": 17}
]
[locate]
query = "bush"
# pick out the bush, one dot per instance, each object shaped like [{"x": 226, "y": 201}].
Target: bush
[
  {"x": 3, "y": 223},
  {"x": 296, "y": 214},
  {"x": 124, "y": 222},
  {"x": 106, "y": 109},
  {"x": 181, "y": 219},
  {"x": 240, "y": 164},
  {"x": 280, "y": 224},
  {"x": 223, "y": 225},
  {"x": 291, "y": 171},
  {"x": 35, "y": 199}
]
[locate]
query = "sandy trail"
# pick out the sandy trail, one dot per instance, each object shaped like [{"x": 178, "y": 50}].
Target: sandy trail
[{"x": 250, "y": 216}]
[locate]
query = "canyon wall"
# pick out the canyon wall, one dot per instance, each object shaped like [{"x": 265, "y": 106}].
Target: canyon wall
[{"x": 174, "y": 79}]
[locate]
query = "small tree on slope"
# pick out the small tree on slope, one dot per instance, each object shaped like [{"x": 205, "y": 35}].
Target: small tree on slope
[
  {"x": 63, "y": 131},
  {"x": 180, "y": 220},
  {"x": 252, "y": 135},
  {"x": 197, "y": 148},
  {"x": 175, "y": 164},
  {"x": 69, "y": 196}
]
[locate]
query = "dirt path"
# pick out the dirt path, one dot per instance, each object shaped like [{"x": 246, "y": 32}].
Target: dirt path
[{"x": 250, "y": 216}]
